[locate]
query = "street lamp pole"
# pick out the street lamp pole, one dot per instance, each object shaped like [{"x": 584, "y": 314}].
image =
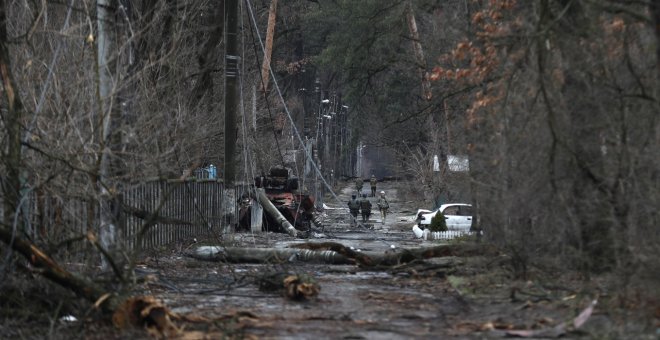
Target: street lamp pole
[{"x": 360, "y": 149}]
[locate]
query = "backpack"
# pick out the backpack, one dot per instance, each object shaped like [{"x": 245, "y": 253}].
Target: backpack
[
  {"x": 353, "y": 205},
  {"x": 365, "y": 204}
]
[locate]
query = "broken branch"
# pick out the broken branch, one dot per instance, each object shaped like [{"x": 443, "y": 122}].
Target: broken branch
[{"x": 51, "y": 270}]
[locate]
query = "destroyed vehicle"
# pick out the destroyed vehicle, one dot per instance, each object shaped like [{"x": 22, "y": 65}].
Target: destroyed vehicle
[
  {"x": 278, "y": 178},
  {"x": 280, "y": 187}
]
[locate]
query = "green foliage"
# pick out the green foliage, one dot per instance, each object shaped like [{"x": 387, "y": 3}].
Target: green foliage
[
  {"x": 438, "y": 223},
  {"x": 369, "y": 42}
]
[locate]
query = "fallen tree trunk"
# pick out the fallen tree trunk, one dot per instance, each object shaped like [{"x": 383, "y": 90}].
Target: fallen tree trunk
[
  {"x": 268, "y": 255},
  {"x": 394, "y": 257},
  {"x": 330, "y": 253},
  {"x": 51, "y": 270},
  {"x": 274, "y": 213},
  {"x": 138, "y": 311}
]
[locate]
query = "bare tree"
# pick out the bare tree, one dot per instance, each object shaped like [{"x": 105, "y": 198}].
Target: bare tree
[
  {"x": 559, "y": 89},
  {"x": 103, "y": 104}
]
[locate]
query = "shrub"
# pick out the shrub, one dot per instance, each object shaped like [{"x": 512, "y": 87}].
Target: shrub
[{"x": 438, "y": 223}]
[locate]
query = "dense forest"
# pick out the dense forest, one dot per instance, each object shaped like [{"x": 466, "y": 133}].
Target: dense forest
[{"x": 556, "y": 104}]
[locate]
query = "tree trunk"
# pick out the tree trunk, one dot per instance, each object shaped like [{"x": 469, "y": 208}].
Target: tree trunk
[
  {"x": 12, "y": 117},
  {"x": 331, "y": 253},
  {"x": 51, "y": 270},
  {"x": 268, "y": 255},
  {"x": 417, "y": 48},
  {"x": 206, "y": 57},
  {"x": 108, "y": 115}
]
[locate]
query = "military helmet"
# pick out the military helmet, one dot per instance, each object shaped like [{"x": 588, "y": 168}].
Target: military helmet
[
  {"x": 364, "y": 195},
  {"x": 353, "y": 195},
  {"x": 382, "y": 192}
]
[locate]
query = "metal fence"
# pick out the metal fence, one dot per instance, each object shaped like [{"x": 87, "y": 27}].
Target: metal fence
[
  {"x": 449, "y": 234},
  {"x": 175, "y": 210},
  {"x": 184, "y": 209}
]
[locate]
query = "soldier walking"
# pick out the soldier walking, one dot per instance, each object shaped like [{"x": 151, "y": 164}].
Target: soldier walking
[
  {"x": 365, "y": 207},
  {"x": 373, "y": 181},
  {"x": 354, "y": 209},
  {"x": 383, "y": 205},
  {"x": 359, "y": 182}
]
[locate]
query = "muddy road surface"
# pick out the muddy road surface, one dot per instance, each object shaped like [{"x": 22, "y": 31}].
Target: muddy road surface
[
  {"x": 472, "y": 295},
  {"x": 352, "y": 303},
  {"x": 469, "y": 297}
]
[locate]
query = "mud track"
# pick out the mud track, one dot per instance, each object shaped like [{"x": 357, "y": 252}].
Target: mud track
[
  {"x": 437, "y": 298},
  {"x": 470, "y": 296}
]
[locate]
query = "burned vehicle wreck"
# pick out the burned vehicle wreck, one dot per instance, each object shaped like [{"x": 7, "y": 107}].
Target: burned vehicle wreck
[{"x": 285, "y": 210}]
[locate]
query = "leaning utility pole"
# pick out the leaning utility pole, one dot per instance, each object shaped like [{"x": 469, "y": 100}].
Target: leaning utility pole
[
  {"x": 231, "y": 89},
  {"x": 270, "y": 33}
]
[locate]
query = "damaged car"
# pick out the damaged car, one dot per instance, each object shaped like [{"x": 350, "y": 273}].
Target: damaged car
[{"x": 458, "y": 216}]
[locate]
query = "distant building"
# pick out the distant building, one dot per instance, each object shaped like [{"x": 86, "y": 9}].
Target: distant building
[{"x": 458, "y": 163}]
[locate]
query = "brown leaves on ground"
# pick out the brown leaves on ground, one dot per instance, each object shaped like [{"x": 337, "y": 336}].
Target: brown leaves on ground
[
  {"x": 300, "y": 287},
  {"x": 295, "y": 286},
  {"x": 544, "y": 330},
  {"x": 148, "y": 313}
]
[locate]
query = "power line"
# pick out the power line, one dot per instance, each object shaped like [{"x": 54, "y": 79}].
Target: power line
[
  {"x": 286, "y": 108},
  {"x": 256, "y": 54},
  {"x": 248, "y": 169}
]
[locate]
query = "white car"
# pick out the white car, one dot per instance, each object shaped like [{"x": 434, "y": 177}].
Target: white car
[{"x": 458, "y": 216}]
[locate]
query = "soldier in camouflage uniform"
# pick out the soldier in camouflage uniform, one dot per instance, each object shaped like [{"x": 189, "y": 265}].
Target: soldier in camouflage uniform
[
  {"x": 365, "y": 207},
  {"x": 354, "y": 209},
  {"x": 359, "y": 182},
  {"x": 373, "y": 181},
  {"x": 383, "y": 205}
]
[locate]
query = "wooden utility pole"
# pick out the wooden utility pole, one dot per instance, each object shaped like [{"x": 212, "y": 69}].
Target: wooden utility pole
[
  {"x": 417, "y": 48},
  {"x": 231, "y": 90},
  {"x": 270, "y": 33}
]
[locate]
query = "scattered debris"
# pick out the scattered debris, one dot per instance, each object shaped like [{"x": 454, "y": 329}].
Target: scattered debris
[
  {"x": 301, "y": 287},
  {"x": 285, "y": 210},
  {"x": 294, "y": 286},
  {"x": 68, "y": 318},
  {"x": 558, "y": 330},
  {"x": 146, "y": 312}
]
